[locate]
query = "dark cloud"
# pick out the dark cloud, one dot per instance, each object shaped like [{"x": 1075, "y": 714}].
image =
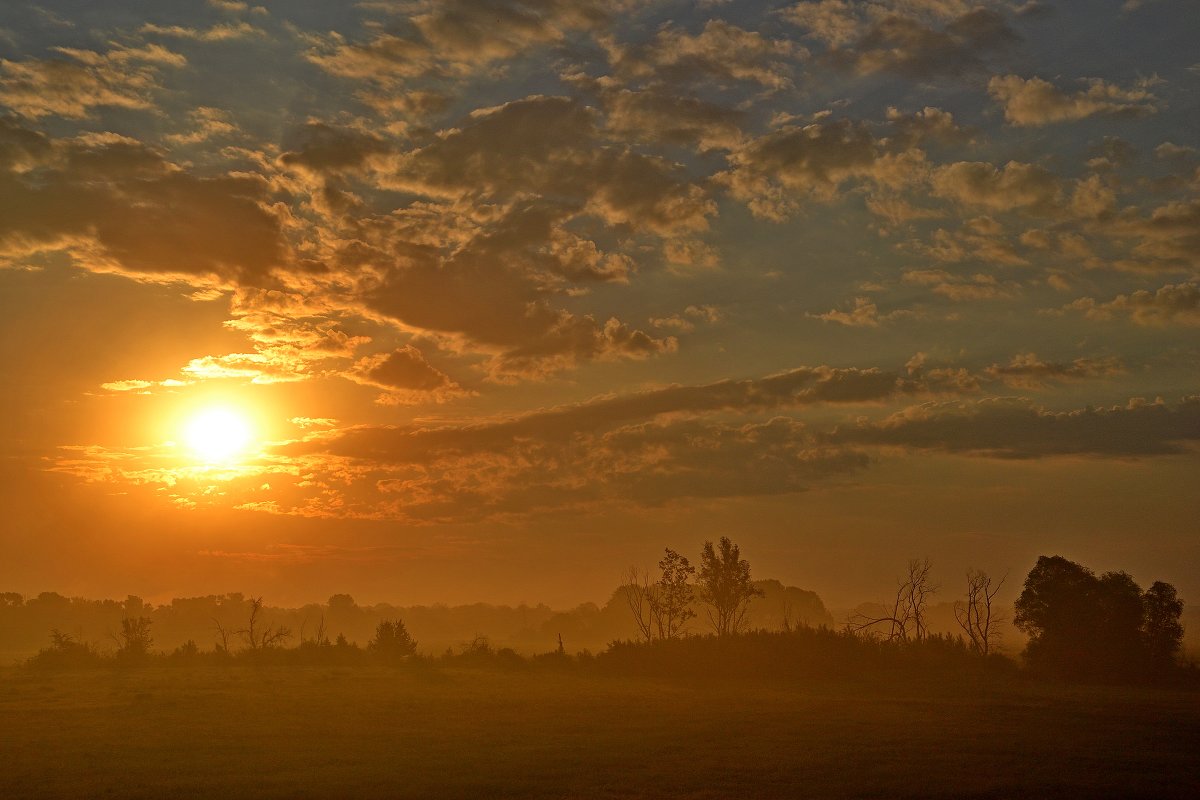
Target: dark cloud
[
  {"x": 405, "y": 375},
  {"x": 771, "y": 173},
  {"x": 796, "y": 388},
  {"x": 1016, "y": 428},
  {"x": 118, "y": 206},
  {"x": 322, "y": 149}
]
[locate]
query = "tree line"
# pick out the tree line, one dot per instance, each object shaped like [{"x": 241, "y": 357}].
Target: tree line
[{"x": 1079, "y": 625}]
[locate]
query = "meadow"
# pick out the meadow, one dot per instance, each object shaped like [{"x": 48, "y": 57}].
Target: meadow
[{"x": 530, "y": 731}]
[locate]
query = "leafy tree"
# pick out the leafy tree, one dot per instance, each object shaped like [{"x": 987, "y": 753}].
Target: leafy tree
[
  {"x": 1088, "y": 627},
  {"x": 1161, "y": 630},
  {"x": 392, "y": 641},
  {"x": 134, "y": 639},
  {"x": 671, "y": 597},
  {"x": 724, "y": 585}
]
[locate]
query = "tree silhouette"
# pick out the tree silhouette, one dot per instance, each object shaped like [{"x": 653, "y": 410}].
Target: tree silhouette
[
  {"x": 134, "y": 639},
  {"x": 724, "y": 585},
  {"x": 670, "y": 599},
  {"x": 1162, "y": 632},
  {"x": 258, "y": 636},
  {"x": 975, "y": 615},
  {"x": 392, "y": 641},
  {"x": 635, "y": 585},
  {"x": 906, "y": 620},
  {"x": 1086, "y": 627}
]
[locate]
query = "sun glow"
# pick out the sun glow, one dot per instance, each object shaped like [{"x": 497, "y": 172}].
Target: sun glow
[{"x": 218, "y": 435}]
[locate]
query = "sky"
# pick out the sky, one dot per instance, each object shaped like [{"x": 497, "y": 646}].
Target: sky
[{"x": 488, "y": 300}]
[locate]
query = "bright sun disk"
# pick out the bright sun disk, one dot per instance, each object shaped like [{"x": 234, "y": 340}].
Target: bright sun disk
[{"x": 217, "y": 434}]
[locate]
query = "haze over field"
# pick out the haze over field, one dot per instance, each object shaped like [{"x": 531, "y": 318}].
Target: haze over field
[{"x": 484, "y": 300}]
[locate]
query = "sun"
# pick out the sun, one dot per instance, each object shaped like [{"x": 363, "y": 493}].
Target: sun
[{"x": 218, "y": 435}]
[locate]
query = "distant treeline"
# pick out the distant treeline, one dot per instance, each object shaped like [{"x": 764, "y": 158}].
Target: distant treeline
[
  {"x": 26, "y": 622},
  {"x": 1079, "y": 626}
]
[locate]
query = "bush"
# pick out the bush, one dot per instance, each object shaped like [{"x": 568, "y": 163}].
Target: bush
[{"x": 66, "y": 652}]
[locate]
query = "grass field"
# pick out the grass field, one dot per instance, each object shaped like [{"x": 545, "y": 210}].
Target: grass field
[{"x": 297, "y": 732}]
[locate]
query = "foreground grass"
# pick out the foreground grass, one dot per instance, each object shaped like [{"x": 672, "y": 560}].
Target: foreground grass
[{"x": 299, "y": 732}]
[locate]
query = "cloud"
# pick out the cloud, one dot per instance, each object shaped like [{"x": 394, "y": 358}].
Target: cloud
[
  {"x": 321, "y": 149},
  {"x": 722, "y": 53},
  {"x": 1016, "y": 428},
  {"x": 405, "y": 375},
  {"x": 22, "y": 149},
  {"x": 803, "y": 386},
  {"x": 864, "y": 314},
  {"x": 71, "y": 86},
  {"x": 930, "y": 123},
  {"x": 1033, "y": 101},
  {"x": 1015, "y": 186},
  {"x": 217, "y": 33},
  {"x": 979, "y": 239},
  {"x": 118, "y": 206},
  {"x": 140, "y": 386},
  {"x": 687, "y": 321},
  {"x": 496, "y": 288},
  {"x": 978, "y": 286},
  {"x": 455, "y": 38},
  {"x": 1170, "y": 150},
  {"x": 1168, "y": 239},
  {"x": 922, "y": 41},
  {"x": 1173, "y": 304},
  {"x": 647, "y": 448},
  {"x": 511, "y": 206},
  {"x": 205, "y": 124},
  {"x": 771, "y": 172},
  {"x": 659, "y": 115},
  {"x": 648, "y": 465},
  {"x": 1027, "y": 371},
  {"x": 549, "y": 146}
]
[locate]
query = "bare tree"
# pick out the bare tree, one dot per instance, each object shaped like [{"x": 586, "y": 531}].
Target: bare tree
[
  {"x": 670, "y": 599},
  {"x": 636, "y": 585},
  {"x": 260, "y": 637},
  {"x": 907, "y": 618},
  {"x": 224, "y": 634},
  {"x": 321, "y": 639},
  {"x": 724, "y": 586},
  {"x": 975, "y": 615}
]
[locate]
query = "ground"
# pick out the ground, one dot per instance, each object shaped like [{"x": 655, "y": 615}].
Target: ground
[{"x": 299, "y": 732}]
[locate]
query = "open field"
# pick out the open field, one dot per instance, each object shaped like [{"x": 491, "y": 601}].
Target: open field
[{"x": 296, "y": 732}]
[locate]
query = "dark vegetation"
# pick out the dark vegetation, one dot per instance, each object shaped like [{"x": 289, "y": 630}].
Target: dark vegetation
[{"x": 1081, "y": 627}]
